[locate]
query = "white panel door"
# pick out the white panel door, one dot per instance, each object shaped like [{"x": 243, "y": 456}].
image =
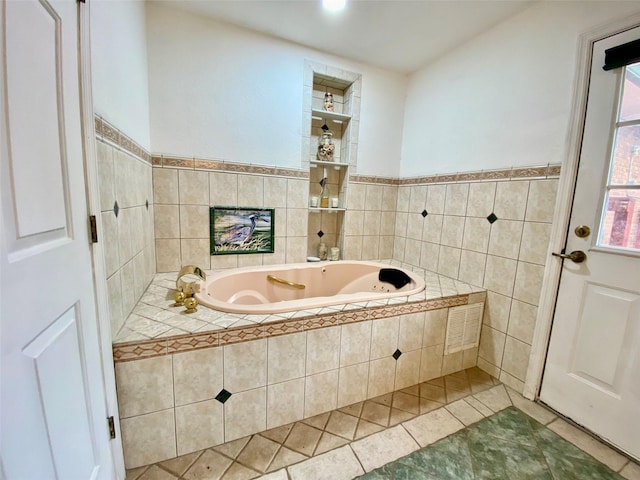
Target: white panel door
[
  {"x": 592, "y": 372},
  {"x": 52, "y": 401}
]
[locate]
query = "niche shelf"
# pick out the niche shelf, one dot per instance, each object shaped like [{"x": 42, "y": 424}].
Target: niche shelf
[
  {"x": 332, "y": 164},
  {"x": 327, "y": 224},
  {"x": 332, "y": 116},
  {"x": 320, "y": 209}
]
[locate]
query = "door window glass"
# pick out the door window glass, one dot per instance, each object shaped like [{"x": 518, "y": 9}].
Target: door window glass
[{"x": 620, "y": 222}]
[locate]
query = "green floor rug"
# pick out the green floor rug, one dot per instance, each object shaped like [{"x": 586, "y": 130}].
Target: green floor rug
[{"x": 506, "y": 446}]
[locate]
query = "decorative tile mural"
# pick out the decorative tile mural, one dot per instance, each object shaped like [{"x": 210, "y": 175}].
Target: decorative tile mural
[{"x": 239, "y": 230}]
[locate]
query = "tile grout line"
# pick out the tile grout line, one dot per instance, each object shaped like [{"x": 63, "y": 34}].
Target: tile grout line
[
  {"x": 407, "y": 430},
  {"x": 353, "y": 452}
]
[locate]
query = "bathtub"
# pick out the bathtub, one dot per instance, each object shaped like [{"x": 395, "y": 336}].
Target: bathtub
[{"x": 249, "y": 290}]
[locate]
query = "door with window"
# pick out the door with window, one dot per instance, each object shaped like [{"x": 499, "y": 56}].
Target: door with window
[{"x": 592, "y": 372}]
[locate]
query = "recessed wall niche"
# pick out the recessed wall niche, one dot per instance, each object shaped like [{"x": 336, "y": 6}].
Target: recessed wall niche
[{"x": 329, "y": 176}]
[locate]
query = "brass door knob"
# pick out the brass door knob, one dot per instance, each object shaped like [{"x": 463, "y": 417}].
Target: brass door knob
[{"x": 577, "y": 256}]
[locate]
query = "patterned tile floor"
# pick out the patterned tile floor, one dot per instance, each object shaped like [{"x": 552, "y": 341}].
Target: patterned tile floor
[{"x": 387, "y": 436}]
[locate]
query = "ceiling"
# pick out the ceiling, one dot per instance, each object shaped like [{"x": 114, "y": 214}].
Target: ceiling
[{"x": 397, "y": 35}]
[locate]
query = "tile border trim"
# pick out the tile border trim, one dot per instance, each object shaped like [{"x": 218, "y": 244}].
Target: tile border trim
[
  {"x": 515, "y": 173},
  {"x": 110, "y": 134},
  {"x": 375, "y": 180},
  {"x": 128, "y": 351},
  {"x": 194, "y": 163},
  {"x": 506, "y": 174}
]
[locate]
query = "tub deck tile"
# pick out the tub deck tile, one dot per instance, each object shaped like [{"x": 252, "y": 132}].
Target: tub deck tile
[
  {"x": 396, "y": 300},
  {"x": 303, "y": 314},
  {"x": 209, "y": 328},
  {"x": 378, "y": 303},
  {"x": 274, "y": 319},
  {"x": 173, "y": 332},
  {"x": 225, "y": 322},
  {"x": 157, "y": 322},
  {"x": 328, "y": 310},
  {"x": 127, "y": 335},
  {"x": 351, "y": 306}
]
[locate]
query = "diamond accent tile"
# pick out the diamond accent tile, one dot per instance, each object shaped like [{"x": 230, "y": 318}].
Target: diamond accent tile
[
  {"x": 424, "y": 213},
  {"x": 320, "y": 234},
  {"x": 396, "y": 354},
  {"x": 223, "y": 396},
  {"x": 492, "y": 218},
  {"x": 116, "y": 208}
]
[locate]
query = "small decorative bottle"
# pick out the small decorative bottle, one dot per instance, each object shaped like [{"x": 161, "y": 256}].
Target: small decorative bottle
[
  {"x": 322, "y": 251},
  {"x": 328, "y": 102},
  {"x": 324, "y": 194}
]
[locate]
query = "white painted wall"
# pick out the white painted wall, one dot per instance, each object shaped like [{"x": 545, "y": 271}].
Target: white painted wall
[
  {"x": 503, "y": 99},
  {"x": 222, "y": 92},
  {"x": 119, "y": 66}
]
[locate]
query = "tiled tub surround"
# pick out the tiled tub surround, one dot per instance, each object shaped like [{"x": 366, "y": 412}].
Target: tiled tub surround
[
  {"x": 492, "y": 232},
  {"x": 237, "y": 375},
  {"x": 369, "y": 222},
  {"x": 184, "y": 190},
  {"x": 126, "y": 204}
]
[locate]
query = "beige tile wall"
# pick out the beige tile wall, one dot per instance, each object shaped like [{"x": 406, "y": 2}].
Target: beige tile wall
[
  {"x": 128, "y": 238},
  {"x": 507, "y": 257},
  {"x": 369, "y": 222},
  {"x": 182, "y": 199},
  {"x": 168, "y": 404}
]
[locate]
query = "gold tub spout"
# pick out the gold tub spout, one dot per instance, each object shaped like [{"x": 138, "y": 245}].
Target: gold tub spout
[
  {"x": 286, "y": 282},
  {"x": 189, "y": 288}
]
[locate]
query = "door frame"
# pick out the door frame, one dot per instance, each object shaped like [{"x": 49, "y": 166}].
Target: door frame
[
  {"x": 97, "y": 249},
  {"x": 564, "y": 200}
]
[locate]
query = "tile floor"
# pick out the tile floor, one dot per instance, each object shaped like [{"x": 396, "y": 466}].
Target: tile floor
[
  {"x": 387, "y": 436},
  {"x": 519, "y": 448}
]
